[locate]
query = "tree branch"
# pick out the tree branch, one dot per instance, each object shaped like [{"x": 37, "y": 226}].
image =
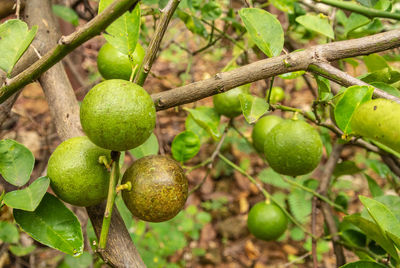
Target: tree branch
[
  {"x": 263, "y": 69},
  {"x": 7, "y": 7},
  {"x": 151, "y": 53},
  {"x": 328, "y": 71},
  {"x": 65, "y": 46}
]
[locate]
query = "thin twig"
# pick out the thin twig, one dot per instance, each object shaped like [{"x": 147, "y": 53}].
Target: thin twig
[{"x": 313, "y": 231}]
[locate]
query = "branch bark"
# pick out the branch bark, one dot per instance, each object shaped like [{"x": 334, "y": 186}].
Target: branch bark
[
  {"x": 8, "y": 7},
  {"x": 64, "y": 110}
]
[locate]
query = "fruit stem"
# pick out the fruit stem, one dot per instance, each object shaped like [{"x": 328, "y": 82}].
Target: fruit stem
[
  {"x": 114, "y": 177},
  {"x": 270, "y": 93},
  {"x": 126, "y": 186},
  {"x": 104, "y": 161}
]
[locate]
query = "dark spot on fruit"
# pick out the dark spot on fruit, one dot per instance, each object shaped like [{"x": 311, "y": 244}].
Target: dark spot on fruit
[
  {"x": 67, "y": 115},
  {"x": 375, "y": 107},
  {"x": 47, "y": 31}
]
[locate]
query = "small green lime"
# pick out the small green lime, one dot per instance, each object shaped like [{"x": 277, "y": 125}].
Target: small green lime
[
  {"x": 228, "y": 103},
  {"x": 76, "y": 176},
  {"x": 159, "y": 188},
  {"x": 261, "y": 130},
  {"x": 293, "y": 148},
  {"x": 378, "y": 120},
  {"x": 266, "y": 221},
  {"x": 118, "y": 115},
  {"x": 277, "y": 95},
  {"x": 113, "y": 64}
]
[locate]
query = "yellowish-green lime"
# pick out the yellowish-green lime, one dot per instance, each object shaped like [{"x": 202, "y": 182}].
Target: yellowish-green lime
[
  {"x": 76, "y": 176},
  {"x": 118, "y": 115},
  {"x": 293, "y": 148},
  {"x": 228, "y": 103},
  {"x": 113, "y": 64},
  {"x": 378, "y": 120},
  {"x": 261, "y": 130}
]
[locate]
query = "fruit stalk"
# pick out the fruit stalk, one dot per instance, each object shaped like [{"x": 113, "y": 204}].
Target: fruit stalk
[{"x": 114, "y": 178}]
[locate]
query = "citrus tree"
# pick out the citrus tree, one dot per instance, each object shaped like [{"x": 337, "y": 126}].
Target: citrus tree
[{"x": 301, "y": 147}]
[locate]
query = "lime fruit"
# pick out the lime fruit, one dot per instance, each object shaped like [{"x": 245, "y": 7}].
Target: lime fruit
[
  {"x": 378, "y": 120},
  {"x": 113, "y": 64},
  {"x": 293, "y": 148},
  {"x": 277, "y": 95},
  {"x": 118, "y": 115},
  {"x": 76, "y": 176},
  {"x": 228, "y": 103},
  {"x": 266, "y": 221},
  {"x": 159, "y": 188},
  {"x": 261, "y": 130}
]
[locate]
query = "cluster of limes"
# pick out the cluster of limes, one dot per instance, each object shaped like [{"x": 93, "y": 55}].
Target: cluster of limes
[
  {"x": 117, "y": 115},
  {"x": 291, "y": 147}
]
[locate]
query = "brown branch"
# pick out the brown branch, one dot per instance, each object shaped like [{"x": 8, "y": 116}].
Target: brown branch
[
  {"x": 65, "y": 112},
  {"x": 8, "y": 7},
  {"x": 263, "y": 69},
  {"x": 328, "y": 71}
]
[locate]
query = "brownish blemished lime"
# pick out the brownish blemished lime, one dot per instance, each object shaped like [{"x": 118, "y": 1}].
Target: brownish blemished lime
[
  {"x": 113, "y": 64},
  {"x": 118, "y": 115},
  {"x": 159, "y": 188},
  {"x": 261, "y": 130},
  {"x": 266, "y": 221},
  {"x": 228, "y": 103},
  {"x": 293, "y": 148},
  {"x": 76, "y": 176},
  {"x": 378, "y": 120}
]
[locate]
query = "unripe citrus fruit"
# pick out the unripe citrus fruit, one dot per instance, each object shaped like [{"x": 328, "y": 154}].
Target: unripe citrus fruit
[
  {"x": 118, "y": 115},
  {"x": 378, "y": 120},
  {"x": 228, "y": 103},
  {"x": 261, "y": 130},
  {"x": 277, "y": 95},
  {"x": 113, "y": 64},
  {"x": 76, "y": 176},
  {"x": 293, "y": 148},
  {"x": 159, "y": 188},
  {"x": 266, "y": 221}
]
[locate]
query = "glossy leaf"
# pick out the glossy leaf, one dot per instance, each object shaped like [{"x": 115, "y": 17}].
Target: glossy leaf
[
  {"x": 8, "y": 232},
  {"x": 29, "y": 198},
  {"x": 324, "y": 87},
  {"x": 253, "y": 107},
  {"x": 20, "y": 251},
  {"x": 286, "y": 6},
  {"x": 292, "y": 75},
  {"x": 191, "y": 125},
  {"x": 264, "y": 29},
  {"x": 375, "y": 62},
  {"x": 66, "y": 14},
  {"x": 211, "y": 11},
  {"x": 348, "y": 103},
  {"x": 185, "y": 146},
  {"x": 373, "y": 186},
  {"x": 123, "y": 33},
  {"x": 15, "y": 38},
  {"x": 53, "y": 225},
  {"x": 363, "y": 264},
  {"x": 317, "y": 23},
  {"x": 16, "y": 162},
  {"x": 208, "y": 119},
  {"x": 149, "y": 147},
  {"x": 355, "y": 21},
  {"x": 387, "y": 88},
  {"x": 192, "y": 23}
]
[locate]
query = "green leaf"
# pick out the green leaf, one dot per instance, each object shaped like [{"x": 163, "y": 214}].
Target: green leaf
[
  {"x": 297, "y": 234},
  {"x": 149, "y": 147},
  {"x": 8, "y": 232},
  {"x": 28, "y": 198},
  {"x": 363, "y": 264},
  {"x": 324, "y": 87},
  {"x": 21, "y": 250},
  {"x": 292, "y": 75},
  {"x": 191, "y": 125},
  {"x": 373, "y": 186},
  {"x": 66, "y": 14},
  {"x": 192, "y": 23},
  {"x": 373, "y": 231},
  {"x": 317, "y": 23},
  {"x": 269, "y": 176},
  {"x": 53, "y": 225},
  {"x": 123, "y": 33},
  {"x": 348, "y": 103},
  {"x": 15, "y": 38},
  {"x": 383, "y": 217},
  {"x": 83, "y": 261},
  {"x": 392, "y": 202},
  {"x": 346, "y": 168},
  {"x": 286, "y": 6},
  {"x": 374, "y": 62},
  {"x": 253, "y": 107},
  {"x": 211, "y": 11},
  {"x": 208, "y": 118},
  {"x": 16, "y": 162},
  {"x": 387, "y": 88},
  {"x": 355, "y": 21},
  {"x": 264, "y": 29},
  {"x": 300, "y": 205},
  {"x": 185, "y": 146}
]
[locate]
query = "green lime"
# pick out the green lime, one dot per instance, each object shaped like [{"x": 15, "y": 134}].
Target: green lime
[
  {"x": 228, "y": 103},
  {"x": 159, "y": 188},
  {"x": 261, "y": 130},
  {"x": 118, "y": 115},
  {"x": 277, "y": 95},
  {"x": 113, "y": 64},
  {"x": 293, "y": 148},
  {"x": 378, "y": 120},
  {"x": 76, "y": 176},
  {"x": 266, "y": 221}
]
